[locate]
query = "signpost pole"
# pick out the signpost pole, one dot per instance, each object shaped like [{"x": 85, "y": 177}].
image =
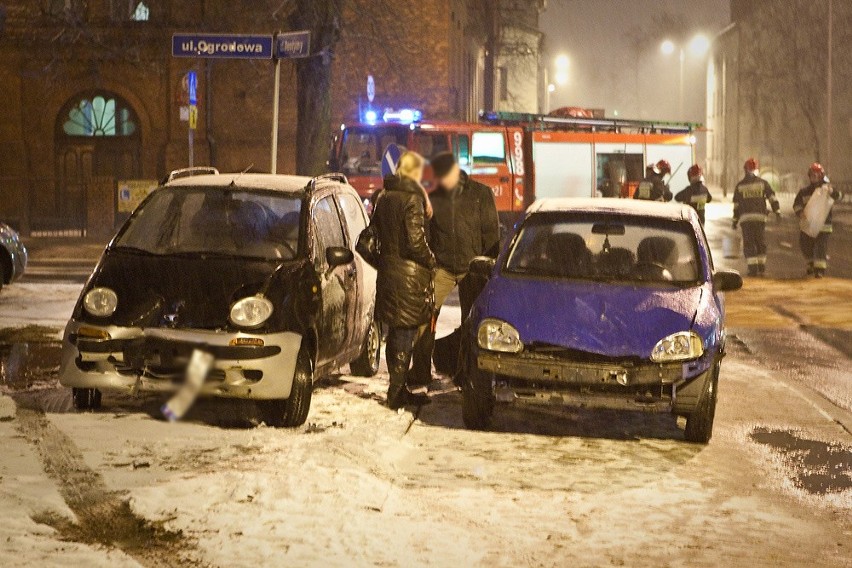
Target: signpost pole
[
  {"x": 191, "y": 147},
  {"x": 275, "y": 104}
]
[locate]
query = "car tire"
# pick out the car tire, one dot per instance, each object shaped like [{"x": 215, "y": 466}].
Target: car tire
[
  {"x": 367, "y": 363},
  {"x": 699, "y": 424},
  {"x": 293, "y": 411},
  {"x": 478, "y": 398},
  {"x": 86, "y": 399}
]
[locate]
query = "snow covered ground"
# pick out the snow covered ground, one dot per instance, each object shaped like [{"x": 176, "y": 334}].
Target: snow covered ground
[{"x": 363, "y": 486}]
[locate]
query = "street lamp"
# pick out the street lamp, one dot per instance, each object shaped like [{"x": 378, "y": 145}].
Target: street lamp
[
  {"x": 561, "y": 63},
  {"x": 699, "y": 45}
]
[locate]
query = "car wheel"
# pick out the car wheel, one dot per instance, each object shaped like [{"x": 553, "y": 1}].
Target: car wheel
[
  {"x": 367, "y": 363},
  {"x": 477, "y": 397},
  {"x": 292, "y": 412},
  {"x": 86, "y": 399},
  {"x": 699, "y": 424}
]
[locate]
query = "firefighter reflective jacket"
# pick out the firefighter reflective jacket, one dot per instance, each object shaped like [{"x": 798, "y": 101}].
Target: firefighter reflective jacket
[
  {"x": 804, "y": 196},
  {"x": 750, "y": 199},
  {"x": 697, "y": 195},
  {"x": 652, "y": 188}
]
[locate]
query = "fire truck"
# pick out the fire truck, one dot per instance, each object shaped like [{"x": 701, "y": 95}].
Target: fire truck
[{"x": 522, "y": 157}]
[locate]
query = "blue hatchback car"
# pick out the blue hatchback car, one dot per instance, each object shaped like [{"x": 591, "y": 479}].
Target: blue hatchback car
[{"x": 602, "y": 303}]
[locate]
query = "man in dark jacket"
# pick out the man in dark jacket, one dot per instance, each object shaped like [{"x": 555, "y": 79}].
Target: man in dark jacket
[
  {"x": 696, "y": 193},
  {"x": 464, "y": 225},
  {"x": 653, "y": 187},
  {"x": 750, "y": 213},
  {"x": 404, "y": 293},
  {"x": 815, "y": 250}
]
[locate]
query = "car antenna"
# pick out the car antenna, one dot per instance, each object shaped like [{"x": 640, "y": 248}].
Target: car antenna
[{"x": 234, "y": 181}]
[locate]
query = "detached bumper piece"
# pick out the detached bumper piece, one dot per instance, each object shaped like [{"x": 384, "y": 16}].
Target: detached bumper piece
[{"x": 550, "y": 380}]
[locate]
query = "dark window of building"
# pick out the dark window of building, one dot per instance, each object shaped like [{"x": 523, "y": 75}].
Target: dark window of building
[
  {"x": 99, "y": 115},
  {"x": 504, "y": 83},
  {"x": 63, "y": 7}
]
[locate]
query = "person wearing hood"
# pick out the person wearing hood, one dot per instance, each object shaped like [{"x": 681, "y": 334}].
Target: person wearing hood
[
  {"x": 696, "y": 193},
  {"x": 404, "y": 289}
]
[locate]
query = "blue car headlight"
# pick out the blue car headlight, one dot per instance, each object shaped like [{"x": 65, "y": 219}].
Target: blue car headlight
[
  {"x": 681, "y": 346},
  {"x": 497, "y": 335}
]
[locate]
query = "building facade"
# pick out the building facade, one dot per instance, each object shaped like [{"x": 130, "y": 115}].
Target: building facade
[
  {"x": 776, "y": 90},
  {"x": 91, "y": 96}
]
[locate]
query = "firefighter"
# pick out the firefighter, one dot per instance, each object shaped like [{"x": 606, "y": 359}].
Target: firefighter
[
  {"x": 696, "y": 193},
  {"x": 750, "y": 199},
  {"x": 815, "y": 250},
  {"x": 653, "y": 188}
]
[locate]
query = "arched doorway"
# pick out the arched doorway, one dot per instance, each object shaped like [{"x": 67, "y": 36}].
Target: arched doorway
[{"x": 98, "y": 140}]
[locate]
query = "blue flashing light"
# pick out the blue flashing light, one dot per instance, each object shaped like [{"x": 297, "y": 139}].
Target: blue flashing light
[
  {"x": 371, "y": 117},
  {"x": 403, "y": 116}
]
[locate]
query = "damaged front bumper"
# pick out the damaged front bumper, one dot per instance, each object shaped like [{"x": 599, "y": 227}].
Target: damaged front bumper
[
  {"x": 253, "y": 366},
  {"x": 530, "y": 377}
]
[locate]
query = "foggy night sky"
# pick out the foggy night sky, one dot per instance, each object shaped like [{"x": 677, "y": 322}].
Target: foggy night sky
[{"x": 597, "y": 37}]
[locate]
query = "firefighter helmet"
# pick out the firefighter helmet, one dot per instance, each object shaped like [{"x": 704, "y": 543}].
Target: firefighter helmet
[
  {"x": 751, "y": 165},
  {"x": 694, "y": 172},
  {"x": 816, "y": 169},
  {"x": 662, "y": 168}
]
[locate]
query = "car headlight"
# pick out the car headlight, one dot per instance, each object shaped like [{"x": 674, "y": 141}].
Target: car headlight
[
  {"x": 100, "y": 302},
  {"x": 496, "y": 335},
  {"x": 681, "y": 346},
  {"x": 251, "y": 312}
]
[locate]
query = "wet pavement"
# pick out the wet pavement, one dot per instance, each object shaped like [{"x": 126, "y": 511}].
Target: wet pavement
[{"x": 815, "y": 466}]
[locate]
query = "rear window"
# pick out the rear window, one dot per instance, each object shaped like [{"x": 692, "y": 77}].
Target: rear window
[
  {"x": 224, "y": 221},
  {"x": 607, "y": 248}
]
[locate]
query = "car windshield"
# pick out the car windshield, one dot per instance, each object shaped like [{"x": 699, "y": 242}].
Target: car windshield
[
  {"x": 607, "y": 248},
  {"x": 363, "y": 148},
  {"x": 216, "y": 221}
]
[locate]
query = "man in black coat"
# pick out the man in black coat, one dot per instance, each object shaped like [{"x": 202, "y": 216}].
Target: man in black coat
[
  {"x": 464, "y": 225},
  {"x": 404, "y": 297}
]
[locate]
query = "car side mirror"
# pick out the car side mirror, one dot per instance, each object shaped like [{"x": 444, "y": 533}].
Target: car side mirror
[
  {"x": 338, "y": 256},
  {"x": 482, "y": 266},
  {"x": 727, "y": 281}
]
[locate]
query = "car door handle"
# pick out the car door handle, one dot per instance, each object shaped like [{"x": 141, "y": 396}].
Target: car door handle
[{"x": 504, "y": 179}]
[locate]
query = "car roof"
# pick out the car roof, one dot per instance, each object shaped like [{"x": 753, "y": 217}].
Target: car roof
[
  {"x": 617, "y": 206},
  {"x": 276, "y": 182}
]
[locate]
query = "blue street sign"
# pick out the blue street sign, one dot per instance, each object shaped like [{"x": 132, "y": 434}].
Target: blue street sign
[
  {"x": 222, "y": 46},
  {"x": 293, "y": 45},
  {"x": 192, "y": 87},
  {"x": 391, "y": 156}
]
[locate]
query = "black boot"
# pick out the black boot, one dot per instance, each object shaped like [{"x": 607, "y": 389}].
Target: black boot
[
  {"x": 752, "y": 270},
  {"x": 761, "y": 270}
]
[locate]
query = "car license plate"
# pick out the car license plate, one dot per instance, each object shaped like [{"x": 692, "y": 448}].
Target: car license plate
[{"x": 196, "y": 372}]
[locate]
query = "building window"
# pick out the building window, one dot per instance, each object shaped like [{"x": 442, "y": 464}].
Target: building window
[
  {"x": 129, "y": 11},
  {"x": 141, "y": 13},
  {"x": 504, "y": 83},
  {"x": 99, "y": 116}
]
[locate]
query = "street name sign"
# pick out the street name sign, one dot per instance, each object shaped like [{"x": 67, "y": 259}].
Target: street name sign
[
  {"x": 293, "y": 45},
  {"x": 222, "y": 46}
]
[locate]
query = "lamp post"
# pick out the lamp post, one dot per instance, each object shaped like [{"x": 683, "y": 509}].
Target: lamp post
[
  {"x": 699, "y": 45},
  {"x": 561, "y": 63}
]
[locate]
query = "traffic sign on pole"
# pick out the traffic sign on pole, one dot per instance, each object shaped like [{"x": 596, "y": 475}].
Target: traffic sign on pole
[
  {"x": 391, "y": 156},
  {"x": 371, "y": 88},
  {"x": 222, "y": 46}
]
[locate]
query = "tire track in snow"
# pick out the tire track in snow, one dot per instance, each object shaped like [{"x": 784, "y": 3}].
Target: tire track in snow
[{"x": 104, "y": 516}]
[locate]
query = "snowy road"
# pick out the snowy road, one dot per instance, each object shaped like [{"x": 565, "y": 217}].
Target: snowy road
[{"x": 362, "y": 486}]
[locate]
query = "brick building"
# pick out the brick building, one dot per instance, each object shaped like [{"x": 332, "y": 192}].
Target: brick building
[
  {"x": 91, "y": 95},
  {"x": 774, "y": 95}
]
